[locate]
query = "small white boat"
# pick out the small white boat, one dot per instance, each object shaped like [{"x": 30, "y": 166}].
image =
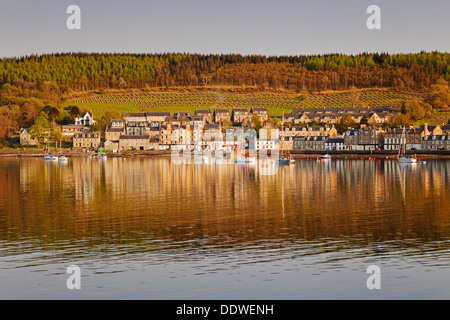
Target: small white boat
[
  {"x": 286, "y": 159},
  {"x": 407, "y": 159},
  {"x": 102, "y": 157},
  {"x": 63, "y": 158},
  {"x": 51, "y": 157},
  {"x": 325, "y": 157}
]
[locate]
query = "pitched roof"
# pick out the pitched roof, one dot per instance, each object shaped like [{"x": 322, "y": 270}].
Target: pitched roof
[
  {"x": 134, "y": 115},
  {"x": 157, "y": 114},
  {"x": 70, "y": 126},
  {"x": 114, "y": 130},
  {"x": 335, "y": 140},
  {"x": 202, "y": 111},
  {"x": 128, "y": 137},
  {"x": 87, "y": 135},
  {"x": 211, "y": 126},
  {"x": 226, "y": 111}
]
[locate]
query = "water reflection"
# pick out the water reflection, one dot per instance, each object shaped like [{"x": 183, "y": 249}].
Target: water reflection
[{"x": 222, "y": 217}]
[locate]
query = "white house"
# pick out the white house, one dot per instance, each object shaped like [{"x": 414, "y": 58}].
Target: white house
[
  {"x": 85, "y": 119},
  {"x": 334, "y": 144}
]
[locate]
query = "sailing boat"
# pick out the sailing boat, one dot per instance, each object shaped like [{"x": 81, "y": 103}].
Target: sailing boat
[
  {"x": 285, "y": 158},
  {"x": 62, "y": 158},
  {"x": 50, "y": 156},
  {"x": 406, "y": 158}
]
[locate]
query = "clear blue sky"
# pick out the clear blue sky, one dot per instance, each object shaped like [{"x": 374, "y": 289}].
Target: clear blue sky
[{"x": 281, "y": 27}]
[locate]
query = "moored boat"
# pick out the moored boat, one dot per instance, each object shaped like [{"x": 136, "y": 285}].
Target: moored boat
[
  {"x": 63, "y": 158},
  {"x": 286, "y": 159},
  {"x": 51, "y": 157},
  {"x": 406, "y": 158}
]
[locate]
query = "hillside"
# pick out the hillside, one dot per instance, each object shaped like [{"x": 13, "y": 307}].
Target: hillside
[{"x": 276, "y": 103}]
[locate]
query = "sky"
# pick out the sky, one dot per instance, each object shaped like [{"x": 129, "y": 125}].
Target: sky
[{"x": 266, "y": 27}]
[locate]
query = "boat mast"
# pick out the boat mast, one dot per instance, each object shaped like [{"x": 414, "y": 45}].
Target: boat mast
[
  {"x": 404, "y": 141},
  {"x": 400, "y": 147},
  {"x": 48, "y": 141},
  {"x": 282, "y": 130}
]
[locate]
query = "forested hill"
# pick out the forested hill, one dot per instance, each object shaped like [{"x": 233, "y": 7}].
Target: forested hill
[{"x": 82, "y": 71}]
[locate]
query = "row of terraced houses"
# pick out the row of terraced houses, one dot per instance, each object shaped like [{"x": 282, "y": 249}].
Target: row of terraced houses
[{"x": 161, "y": 130}]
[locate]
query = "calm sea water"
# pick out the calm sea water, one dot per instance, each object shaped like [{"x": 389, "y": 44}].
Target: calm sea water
[{"x": 146, "y": 228}]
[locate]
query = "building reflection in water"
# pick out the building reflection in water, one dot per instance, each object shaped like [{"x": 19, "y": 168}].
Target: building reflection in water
[{"x": 145, "y": 197}]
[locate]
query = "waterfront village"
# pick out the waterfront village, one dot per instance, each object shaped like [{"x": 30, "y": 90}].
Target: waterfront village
[{"x": 297, "y": 131}]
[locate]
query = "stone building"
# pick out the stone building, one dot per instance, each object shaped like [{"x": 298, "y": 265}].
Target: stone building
[{"x": 87, "y": 140}]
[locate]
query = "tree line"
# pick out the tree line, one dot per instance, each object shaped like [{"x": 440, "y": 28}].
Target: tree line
[{"x": 316, "y": 73}]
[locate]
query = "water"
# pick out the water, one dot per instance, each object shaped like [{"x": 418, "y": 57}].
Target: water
[{"x": 146, "y": 228}]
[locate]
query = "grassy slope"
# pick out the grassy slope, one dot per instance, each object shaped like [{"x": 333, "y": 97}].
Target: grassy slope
[
  {"x": 99, "y": 109},
  {"x": 277, "y": 104},
  {"x": 439, "y": 118}
]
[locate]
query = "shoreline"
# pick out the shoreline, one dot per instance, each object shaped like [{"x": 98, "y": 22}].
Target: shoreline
[{"x": 352, "y": 154}]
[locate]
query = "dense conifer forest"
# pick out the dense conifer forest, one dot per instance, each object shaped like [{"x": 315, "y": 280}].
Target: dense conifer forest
[{"x": 83, "y": 71}]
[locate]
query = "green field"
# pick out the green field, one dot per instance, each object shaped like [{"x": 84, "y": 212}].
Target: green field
[
  {"x": 437, "y": 119},
  {"x": 275, "y": 103},
  {"x": 99, "y": 109}
]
